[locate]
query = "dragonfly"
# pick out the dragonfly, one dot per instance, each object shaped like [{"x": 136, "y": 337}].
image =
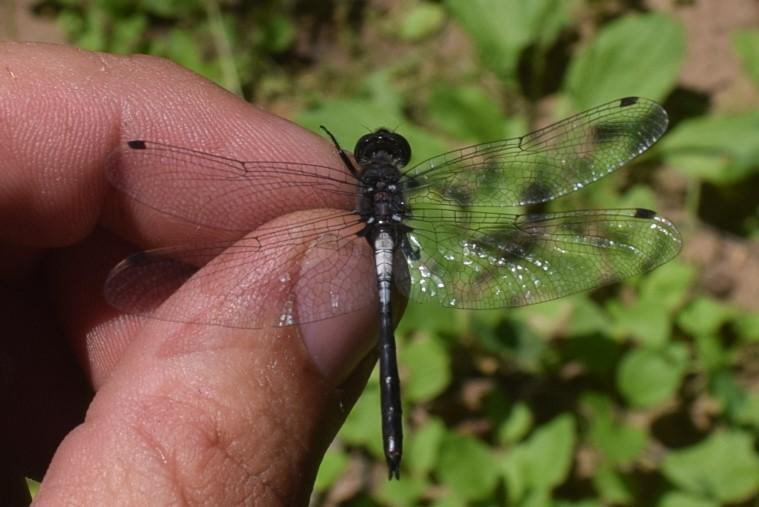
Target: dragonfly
[{"x": 456, "y": 229}]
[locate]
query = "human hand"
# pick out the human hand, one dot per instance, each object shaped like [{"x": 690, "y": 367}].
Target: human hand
[{"x": 228, "y": 416}]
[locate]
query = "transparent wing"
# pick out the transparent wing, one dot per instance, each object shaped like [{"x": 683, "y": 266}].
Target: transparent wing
[
  {"x": 491, "y": 260},
  {"x": 322, "y": 270},
  {"x": 544, "y": 164},
  {"x": 221, "y": 192}
]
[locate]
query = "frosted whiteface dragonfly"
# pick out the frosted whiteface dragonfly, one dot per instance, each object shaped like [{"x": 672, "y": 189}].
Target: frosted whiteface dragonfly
[{"x": 452, "y": 229}]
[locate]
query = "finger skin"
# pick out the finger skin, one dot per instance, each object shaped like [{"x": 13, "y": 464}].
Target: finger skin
[{"x": 184, "y": 413}]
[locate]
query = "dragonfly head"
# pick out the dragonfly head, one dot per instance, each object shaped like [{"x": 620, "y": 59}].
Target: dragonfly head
[{"x": 382, "y": 141}]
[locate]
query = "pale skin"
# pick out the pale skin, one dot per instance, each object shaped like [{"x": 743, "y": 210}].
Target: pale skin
[{"x": 181, "y": 413}]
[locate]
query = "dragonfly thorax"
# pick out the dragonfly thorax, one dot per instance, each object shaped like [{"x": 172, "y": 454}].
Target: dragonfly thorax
[{"x": 381, "y": 199}]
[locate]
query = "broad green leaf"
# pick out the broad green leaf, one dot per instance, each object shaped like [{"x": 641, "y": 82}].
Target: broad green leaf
[
  {"x": 710, "y": 352},
  {"x": 612, "y": 487},
  {"x": 516, "y": 425},
  {"x": 668, "y": 284},
  {"x": 428, "y": 371},
  {"x": 721, "y": 149},
  {"x": 704, "y": 316},
  {"x": 746, "y": 43},
  {"x": 423, "y": 446},
  {"x": 407, "y": 491},
  {"x": 680, "y": 499},
  {"x": 536, "y": 498},
  {"x": 548, "y": 453},
  {"x": 466, "y": 112},
  {"x": 620, "y": 444},
  {"x": 127, "y": 33},
  {"x": 634, "y": 55},
  {"x": 647, "y": 377},
  {"x": 724, "y": 467},
  {"x": 747, "y": 413},
  {"x": 33, "y": 487},
  {"x": 449, "y": 501},
  {"x": 747, "y": 326},
  {"x": 332, "y": 466},
  {"x": 541, "y": 462},
  {"x": 587, "y": 317},
  {"x": 729, "y": 391},
  {"x": 186, "y": 47},
  {"x": 362, "y": 426},
  {"x": 467, "y": 467},
  {"x": 646, "y": 320},
  {"x": 424, "y": 19},
  {"x": 501, "y": 29}
]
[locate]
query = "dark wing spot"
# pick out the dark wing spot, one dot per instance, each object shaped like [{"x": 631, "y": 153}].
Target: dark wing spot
[
  {"x": 537, "y": 191},
  {"x": 459, "y": 195},
  {"x": 628, "y": 101},
  {"x": 136, "y": 145},
  {"x": 604, "y": 133},
  {"x": 644, "y": 213}
]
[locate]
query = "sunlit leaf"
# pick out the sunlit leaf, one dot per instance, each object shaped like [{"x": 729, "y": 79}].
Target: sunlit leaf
[
  {"x": 721, "y": 149},
  {"x": 647, "y": 377},
  {"x": 501, "y": 29},
  {"x": 422, "y": 20},
  {"x": 724, "y": 467},
  {"x": 746, "y": 44},
  {"x": 428, "y": 368},
  {"x": 634, "y": 55},
  {"x": 467, "y": 467},
  {"x": 332, "y": 466}
]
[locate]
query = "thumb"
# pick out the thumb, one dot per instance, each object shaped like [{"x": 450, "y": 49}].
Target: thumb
[{"x": 207, "y": 414}]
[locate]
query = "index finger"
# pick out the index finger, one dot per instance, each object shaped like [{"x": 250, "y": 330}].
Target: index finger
[{"x": 63, "y": 112}]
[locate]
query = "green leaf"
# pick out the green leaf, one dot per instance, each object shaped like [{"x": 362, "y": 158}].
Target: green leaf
[
  {"x": 422, "y": 20},
  {"x": 33, "y": 487},
  {"x": 587, "y": 317},
  {"x": 668, "y": 284},
  {"x": 424, "y": 445},
  {"x": 466, "y": 467},
  {"x": 721, "y": 149},
  {"x": 466, "y": 112},
  {"x": 331, "y": 468},
  {"x": 429, "y": 368},
  {"x": 634, "y": 55},
  {"x": 747, "y": 326},
  {"x": 612, "y": 486},
  {"x": 747, "y": 411},
  {"x": 680, "y": 499},
  {"x": 620, "y": 444},
  {"x": 516, "y": 425},
  {"x": 127, "y": 33},
  {"x": 724, "y": 467},
  {"x": 704, "y": 316},
  {"x": 547, "y": 454},
  {"x": 407, "y": 491},
  {"x": 746, "y": 43},
  {"x": 501, "y": 29},
  {"x": 645, "y": 320},
  {"x": 362, "y": 427},
  {"x": 648, "y": 377}
]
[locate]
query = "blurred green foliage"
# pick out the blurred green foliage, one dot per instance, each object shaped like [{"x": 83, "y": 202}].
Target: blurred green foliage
[{"x": 645, "y": 393}]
